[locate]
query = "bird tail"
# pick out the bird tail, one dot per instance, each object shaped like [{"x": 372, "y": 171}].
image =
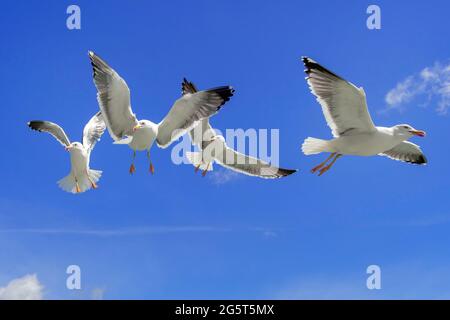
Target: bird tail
[
  {"x": 197, "y": 161},
  {"x": 314, "y": 146},
  {"x": 69, "y": 184}
]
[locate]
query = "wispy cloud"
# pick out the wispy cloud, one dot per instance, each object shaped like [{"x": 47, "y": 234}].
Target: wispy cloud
[
  {"x": 432, "y": 84},
  {"x": 138, "y": 231},
  {"x": 119, "y": 231},
  {"x": 27, "y": 287},
  {"x": 223, "y": 176},
  {"x": 97, "y": 294}
]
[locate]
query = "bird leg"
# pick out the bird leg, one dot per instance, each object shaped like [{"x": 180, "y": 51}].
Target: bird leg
[
  {"x": 94, "y": 186},
  {"x": 197, "y": 167},
  {"x": 206, "y": 170},
  {"x": 152, "y": 168},
  {"x": 132, "y": 167},
  {"x": 313, "y": 170},
  {"x": 325, "y": 169},
  {"x": 77, "y": 186}
]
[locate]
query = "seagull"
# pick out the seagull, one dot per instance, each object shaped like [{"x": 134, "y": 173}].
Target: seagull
[
  {"x": 345, "y": 109},
  {"x": 213, "y": 148},
  {"x": 114, "y": 100},
  {"x": 81, "y": 178}
]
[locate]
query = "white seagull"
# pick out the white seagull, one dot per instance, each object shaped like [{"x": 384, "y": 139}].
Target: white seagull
[
  {"x": 81, "y": 177},
  {"x": 345, "y": 109},
  {"x": 114, "y": 100},
  {"x": 214, "y": 149}
]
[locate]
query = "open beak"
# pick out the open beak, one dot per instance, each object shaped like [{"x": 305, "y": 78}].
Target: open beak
[
  {"x": 418, "y": 133},
  {"x": 138, "y": 126},
  {"x": 68, "y": 148}
]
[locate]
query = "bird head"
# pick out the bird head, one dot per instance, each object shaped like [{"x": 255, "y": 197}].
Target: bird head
[
  {"x": 143, "y": 124},
  {"x": 74, "y": 146},
  {"x": 408, "y": 131}
]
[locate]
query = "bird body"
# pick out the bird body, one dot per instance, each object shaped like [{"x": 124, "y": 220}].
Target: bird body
[
  {"x": 113, "y": 96},
  {"x": 345, "y": 110},
  {"x": 81, "y": 178},
  {"x": 144, "y": 137},
  {"x": 80, "y": 173},
  {"x": 365, "y": 144},
  {"x": 213, "y": 148}
]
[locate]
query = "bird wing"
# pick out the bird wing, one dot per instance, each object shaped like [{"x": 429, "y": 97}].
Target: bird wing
[
  {"x": 113, "y": 97},
  {"x": 343, "y": 104},
  {"x": 93, "y": 131},
  {"x": 56, "y": 131},
  {"x": 406, "y": 152},
  {"x": 251, "y": 166},
  {"x": 202, "y": 133},
  {"x": 188, "y": 110}
]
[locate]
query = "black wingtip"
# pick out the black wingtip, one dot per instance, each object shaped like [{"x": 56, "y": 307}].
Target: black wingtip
[
  {"x": 188, "y": 87},
  {"x": 286, "y": 172},
  {"x": 225, "y": 92},
  {"x": 311, "y": 65},
  {"x": 35, "y": 124},
  {"x": 422, "y": 160}
]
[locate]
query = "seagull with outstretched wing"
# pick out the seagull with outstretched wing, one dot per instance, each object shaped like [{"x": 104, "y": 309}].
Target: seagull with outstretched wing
[
  {"x": 213, "y": 148},
  {"x": 345, "y": 109},
  {"x": 81, "y": 178},
  {"x": 113, "y": 98}
]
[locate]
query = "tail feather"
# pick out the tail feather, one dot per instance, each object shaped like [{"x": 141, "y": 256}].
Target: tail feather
[
  {"x": 314, "y": 146},
  {"x": 196, "y": 159},
  {"x": 69, "y": 184}
]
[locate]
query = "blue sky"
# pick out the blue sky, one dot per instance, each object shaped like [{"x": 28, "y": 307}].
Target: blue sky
[{"x": 178, "y": 235}]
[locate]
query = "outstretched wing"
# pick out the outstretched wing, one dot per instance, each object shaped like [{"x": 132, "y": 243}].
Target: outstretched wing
[
  {"x": 113, "y": 97},
  {"x": 93, "y": 131},
  {"x": 343, "y": 104},
  {"x": 251, "y": 166},
  {"x": 202, "y": 133},
  {"x": 56, "y": 131},
  {"x": 188, "y": 110},
  {"x": 406, "y": 152}
]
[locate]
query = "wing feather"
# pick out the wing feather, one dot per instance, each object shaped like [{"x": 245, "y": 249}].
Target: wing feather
[
  {"x": 93, "y": 131},
  {"x": 55, "y": 130},
  {"x": 343, "y": 104},
  {"x": 188, "y": 110},
  {"x": 113, "y": 96},
  {"x": 406, "y": 152},
  {"x": 251, "y": 166}
]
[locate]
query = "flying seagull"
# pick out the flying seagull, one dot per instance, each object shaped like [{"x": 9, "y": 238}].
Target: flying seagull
[
  {"x": 345, "y": 109},
  {"x": 114, "y": 100},
  {"x": 81, "y": 177},
  {"x": 214, "y": 149}
]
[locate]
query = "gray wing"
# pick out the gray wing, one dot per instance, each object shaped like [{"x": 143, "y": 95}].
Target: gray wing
[
  {"x": 343, "y": 104},
  {"x": 188, "y": 110},
  {"x": 113, "y": 97},
  {"x": 406, "y": 152},
  {"x": 202, "y": 133},
  {"x": 56, "y": 131},
  {"x": 251, "y": 166},
  {"x": 93, "y": 131}
]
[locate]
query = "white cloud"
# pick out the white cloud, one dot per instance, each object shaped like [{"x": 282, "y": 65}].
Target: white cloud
[
  {"x": 27, "y": 287},
  {"x": 150, "y": 230},
  {"x": 223, "y": 176},
  {"x": 432, "y": 82},
  {"x": 97, "y": 294}
]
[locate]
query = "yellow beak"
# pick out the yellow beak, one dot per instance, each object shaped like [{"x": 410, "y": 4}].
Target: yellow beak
[
  {"x": 418, "y": 133},
  {"x": 138, "y": 126}
]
